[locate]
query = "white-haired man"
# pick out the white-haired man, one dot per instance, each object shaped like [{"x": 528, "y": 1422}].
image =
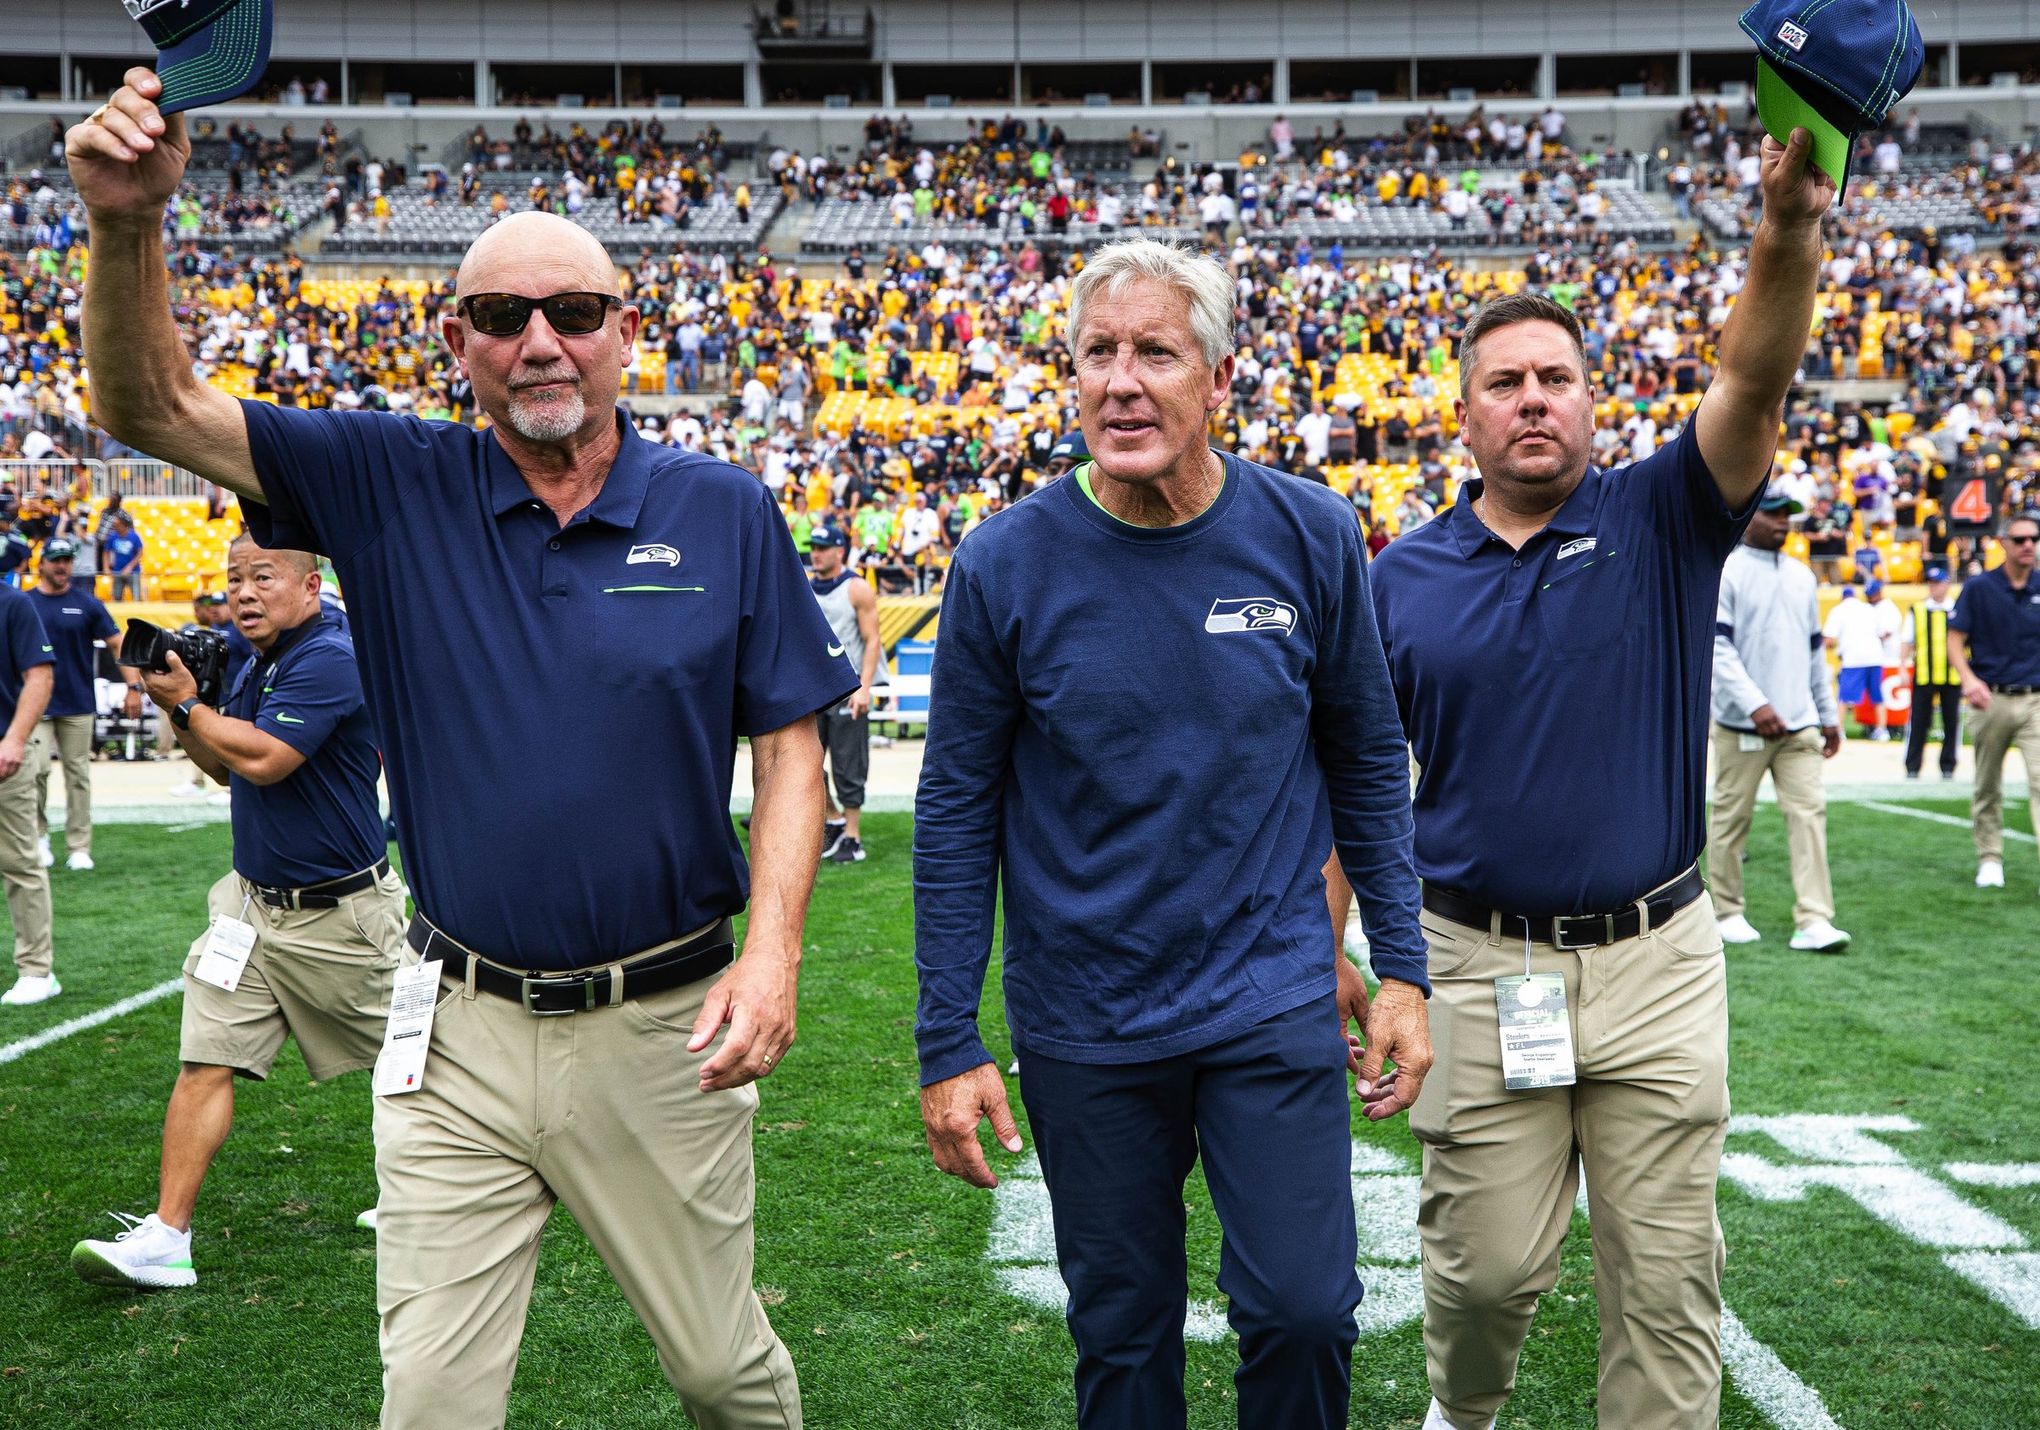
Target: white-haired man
[{"x": 1154, "y": 750}]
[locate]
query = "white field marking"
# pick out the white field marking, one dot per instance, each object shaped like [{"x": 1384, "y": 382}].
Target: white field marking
[
  {"x": 1903, "y": 1198},
  {"x": 1995, "y": 1174},
  {"x": 91, "y": 1020},
  {"x": 1022, "y": 1245},
  {"x": 187, "y": 828},
  {"x": 1022, "y": 1251},
  {"x": 1824, "y": 1137},
  {"x": 1951, "y": 820},
  {"x": 2012, "y": 1279},
  {"x": 1768, "y": 1383}
]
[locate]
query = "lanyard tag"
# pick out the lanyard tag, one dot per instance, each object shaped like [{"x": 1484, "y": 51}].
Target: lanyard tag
[
  {"x": 1537, "y": 1048},
  {"x": 226, "y": 951},
  {"x": 1749, "y": 744},
  {"x": 400, "y": 1067}
]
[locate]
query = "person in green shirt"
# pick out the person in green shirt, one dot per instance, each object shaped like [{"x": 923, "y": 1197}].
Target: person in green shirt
[{"x": 1040, "y": 163}]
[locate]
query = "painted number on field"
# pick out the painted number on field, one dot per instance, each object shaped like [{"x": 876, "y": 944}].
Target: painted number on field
[{"x": 1835, "y": 1153}]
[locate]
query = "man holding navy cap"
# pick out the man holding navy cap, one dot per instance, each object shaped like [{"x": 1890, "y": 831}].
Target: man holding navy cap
[
  {"x": 574, "y": 891},
  {"x": 1551, "y": 640}
]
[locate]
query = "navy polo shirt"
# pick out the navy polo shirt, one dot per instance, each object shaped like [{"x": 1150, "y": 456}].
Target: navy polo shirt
[
  {"x": 2002, "y": 627},
  {"x": 1556, "y": 697},
  {"x": 321, "y": 821},
  {"x": 73, "y": 621},
  {"x": 559, "y": 706},
  {"x": 22, "y": 646}
]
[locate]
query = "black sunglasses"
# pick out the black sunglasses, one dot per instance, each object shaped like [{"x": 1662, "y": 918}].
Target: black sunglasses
[
  {"x": 503, "y": 315},
  {"x": 2020, "y": 540}
]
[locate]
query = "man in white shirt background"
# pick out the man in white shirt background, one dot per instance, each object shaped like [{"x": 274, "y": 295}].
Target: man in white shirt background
[{"x": 1853, "y": 632}]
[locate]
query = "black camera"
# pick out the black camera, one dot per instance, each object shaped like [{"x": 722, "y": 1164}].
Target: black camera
[{"x": 147, "y": 646}]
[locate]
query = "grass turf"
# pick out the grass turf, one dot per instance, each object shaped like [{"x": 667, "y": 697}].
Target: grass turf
[{"x": 873, "y": 1265}]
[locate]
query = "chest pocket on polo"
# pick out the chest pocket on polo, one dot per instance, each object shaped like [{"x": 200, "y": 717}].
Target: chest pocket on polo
[
  {"x": 652, "y": 634},
  {"x": 1584, "y": 603}
]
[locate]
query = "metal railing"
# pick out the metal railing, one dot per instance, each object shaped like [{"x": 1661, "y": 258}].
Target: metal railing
[
  {"x": 33, "y": 476},
  {"x": 130, "y": 476}
]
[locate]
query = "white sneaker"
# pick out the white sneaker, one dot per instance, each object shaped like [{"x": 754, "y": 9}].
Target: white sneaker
[
  {"x": 149, "y": 1256},
  {"x": 190, "y": 789},
  {"x": 32, "y": 988},
  {"x": 79, "y": 862},
  {"x": 1822, "y": 937},
  {"x": 1434, "y": 1419},
  {"x": 1737, "y": 929},
  {"x": 366, "y": 1220},
  {"x": 1990, "y": 874},
  {"x": 43, "y": 852},
  {"x": 1880, "y": 736}
]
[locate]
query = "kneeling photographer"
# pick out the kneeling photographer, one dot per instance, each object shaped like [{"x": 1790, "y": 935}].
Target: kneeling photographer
[{"x": 305, "y": 930}]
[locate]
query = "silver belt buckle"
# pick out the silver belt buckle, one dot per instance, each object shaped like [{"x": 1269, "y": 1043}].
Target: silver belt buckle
[
  {"x": 526, "y": 987},
  {"x": 1558, "y": 932}
]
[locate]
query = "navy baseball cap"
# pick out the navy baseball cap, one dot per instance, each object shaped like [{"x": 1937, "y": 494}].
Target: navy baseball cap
[
  {"x": 58, "y": 548},
  {"x": 1778, "y": 499},
  {"x": 1832, "y": 67},
  {"x": 1937, "y": 573},
  {"x": 208, "y": 51},
  {"x": 828, "y": 534},
  {"x": 1072, "y": 445}
]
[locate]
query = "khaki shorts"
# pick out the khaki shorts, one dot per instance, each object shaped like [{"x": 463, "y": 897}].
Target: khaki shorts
[{"x": 322, "y": 976}]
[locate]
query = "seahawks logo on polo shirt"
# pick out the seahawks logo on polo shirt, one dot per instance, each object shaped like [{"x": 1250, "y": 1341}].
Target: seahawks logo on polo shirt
[
  {"x": 1254, "y": 613},
  {"x": 1577, "y": 545},
  {"x": 653, "y": 555}
]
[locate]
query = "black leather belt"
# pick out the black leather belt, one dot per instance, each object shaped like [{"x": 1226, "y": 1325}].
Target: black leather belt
[
  {"x": 2017, "y": 689},
  {"x": 321, "y": 896},
  {"x": 548, "y": 995},
  {"x": 1570, "y": 931}
]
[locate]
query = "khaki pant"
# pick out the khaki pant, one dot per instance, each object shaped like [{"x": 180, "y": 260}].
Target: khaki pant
[
  {"x": 322, "y": 976},
  {"x": 28, "y": 883},
  {"x": 2010, "y": 720},
  {"x": 1501, "y": 1169},
  {"x": 1795, "y": 765},
  {"x": 73, "y": 737},
  {"x": 601, "y": 1110}
]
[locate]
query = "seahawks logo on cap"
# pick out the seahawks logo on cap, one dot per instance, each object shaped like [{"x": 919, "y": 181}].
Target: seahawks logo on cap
[
  {"x": 1258, "y": 613},
  {"x": 653, "y": 555},
  {"x": 1791, "y": 34},
  {"x": 138, "y": 8}
]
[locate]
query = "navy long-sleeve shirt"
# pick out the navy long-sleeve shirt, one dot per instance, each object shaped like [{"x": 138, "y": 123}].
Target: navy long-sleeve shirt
[{"x": 1153, "y": 735}]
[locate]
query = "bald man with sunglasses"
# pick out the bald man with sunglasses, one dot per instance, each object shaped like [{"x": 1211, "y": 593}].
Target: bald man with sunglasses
[{"x": 575, "y": 891}]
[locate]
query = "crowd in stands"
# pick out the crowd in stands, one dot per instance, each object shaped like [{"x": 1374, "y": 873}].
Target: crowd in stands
[
  {"x": 921, "y": 386},
  {"x": 1902, "y": 180}
]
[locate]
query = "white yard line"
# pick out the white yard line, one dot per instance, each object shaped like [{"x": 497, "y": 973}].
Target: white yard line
[
  {"x": 91, "y": 1020},
  {"x": 1787, "y": 1401},
  {"x": 1951, "y": 820}
]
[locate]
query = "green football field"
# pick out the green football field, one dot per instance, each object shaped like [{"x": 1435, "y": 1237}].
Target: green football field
[{"x": 1881, "y": 1196}]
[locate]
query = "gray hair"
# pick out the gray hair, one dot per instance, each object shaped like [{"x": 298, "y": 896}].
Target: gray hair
[{"x": 1195, "y": 275}]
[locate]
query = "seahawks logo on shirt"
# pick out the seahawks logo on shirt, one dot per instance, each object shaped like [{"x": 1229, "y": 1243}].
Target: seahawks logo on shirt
[
  {"x": 1254, "y": 613},
  {"x": 654, "y": 554}
]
